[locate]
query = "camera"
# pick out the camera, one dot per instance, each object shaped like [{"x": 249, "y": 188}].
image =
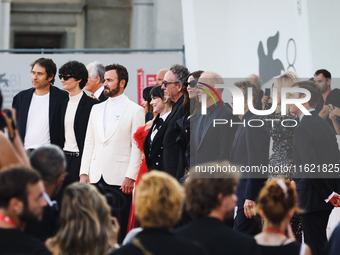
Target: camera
[{"x": 2, "y": 120}]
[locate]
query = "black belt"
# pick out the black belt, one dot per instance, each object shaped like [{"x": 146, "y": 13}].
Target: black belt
[{"x": 72, "y": 154}]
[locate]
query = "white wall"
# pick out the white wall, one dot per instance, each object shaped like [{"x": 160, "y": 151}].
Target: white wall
[{"x": 223, "y": 35}]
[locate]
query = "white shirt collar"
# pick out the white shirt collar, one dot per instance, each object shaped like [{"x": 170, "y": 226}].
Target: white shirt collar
[
  {"x": 98, "y": 92},
  {"x": 117, "y": 99},
  {"x": 77, "y": 97},
  {"x": 165, "y": 115}
]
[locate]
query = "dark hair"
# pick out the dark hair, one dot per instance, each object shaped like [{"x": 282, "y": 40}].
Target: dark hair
[
  {"x": 275, "y": 201},
  {"x": 77, "y": 70},
  {"x": 49, "y": 161},
  {"x": 147, "y": 97},
  {"x": 181, "y": 72},
  {"x": 122, "y": 73},
  {"x": 313, "y": 89},
  {"x": 49, "y": 65},
  {"x": 157, "y": 91},
  {"x": 202, "y": 194},
  {"x": 195, "y": 74},
  {"x": 324, "y": 72},
  {"x": 13, "y": 183},
  {"x": 244, "y": 85}
]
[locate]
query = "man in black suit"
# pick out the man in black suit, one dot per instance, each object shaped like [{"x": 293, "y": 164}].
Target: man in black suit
[
  {"x": 75, "y": 112},
  {"x": 95, "y": 80},
  {"x": 250, "y": 148},
  {"x": 38, "y": 108},
  {"x": 330, "y": 97},
  {"x": 210, "y": 201},
  {"x": 175, "y": 90},
  {"x": 50, "y": 162},
  {"x": 211, "y": 142},
  {"x": 314, "y": 143}
]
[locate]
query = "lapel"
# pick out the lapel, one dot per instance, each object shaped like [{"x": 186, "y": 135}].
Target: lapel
[
  {"x": 26, "y": 102},
  {"x": 80, "y": 108},
  {"x": 174, "y": 109},
  {"x": 112, "y": 128},
  {"x": 160, "y": 132},
  {"x": 208, "y": 122},
  {"x": 53, "y": 103}
]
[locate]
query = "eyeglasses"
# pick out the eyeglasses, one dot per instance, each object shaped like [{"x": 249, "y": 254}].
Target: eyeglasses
[
  {"x": 166, "y": 83},
  {"x": 65, "y": 77}
]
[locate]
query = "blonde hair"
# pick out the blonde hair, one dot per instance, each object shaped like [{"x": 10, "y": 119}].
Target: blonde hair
[
  {"x": 159, "y": 199},
  {"x": 85, "y": 222},
  {"x": 286, "y": 79},
  {"x": 276, "y": 198}
]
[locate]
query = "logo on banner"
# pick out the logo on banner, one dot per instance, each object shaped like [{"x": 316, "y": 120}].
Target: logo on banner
[{"x": 238, "y": 100}]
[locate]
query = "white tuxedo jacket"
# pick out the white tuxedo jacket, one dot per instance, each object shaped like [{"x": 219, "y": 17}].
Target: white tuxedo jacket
[{"x": 114, "y": 156}]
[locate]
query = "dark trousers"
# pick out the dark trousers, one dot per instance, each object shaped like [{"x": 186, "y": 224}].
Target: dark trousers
[
  {"x": 72, "y": 169},
  {"x": 314, "y": 230},
  {"x": 120, "y": 204},
  {"x": 251, "y": 226}
]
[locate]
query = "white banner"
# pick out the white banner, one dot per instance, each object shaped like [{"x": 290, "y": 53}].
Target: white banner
[{"x": 15, "y": 69}]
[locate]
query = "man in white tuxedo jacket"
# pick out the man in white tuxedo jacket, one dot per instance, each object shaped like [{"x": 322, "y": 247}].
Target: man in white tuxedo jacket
[{"x": 111, "y": 158}]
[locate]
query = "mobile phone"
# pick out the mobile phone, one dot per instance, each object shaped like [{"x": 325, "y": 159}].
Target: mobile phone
[{"x": 267, "y": 92}]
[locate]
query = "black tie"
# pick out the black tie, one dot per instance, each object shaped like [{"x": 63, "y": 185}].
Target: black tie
[{"x": 159, "y": 123}]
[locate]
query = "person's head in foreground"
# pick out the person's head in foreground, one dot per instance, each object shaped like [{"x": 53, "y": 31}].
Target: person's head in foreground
[
  {"x": 211, "y": 197},
  {"x": 159, "y": 199},
  {"x": 277, "y": 203},
  {"x": 21, "y": 196},
  {"x": 85, "y": 223}
]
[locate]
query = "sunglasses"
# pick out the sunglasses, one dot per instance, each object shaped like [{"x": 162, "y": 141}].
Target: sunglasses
[
  {"x": 165, "y": 83},
  {"x": 192, "y": 83},
  {"x": 65, "y": 77}
]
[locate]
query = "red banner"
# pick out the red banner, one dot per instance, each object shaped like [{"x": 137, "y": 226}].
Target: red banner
[
  {"x": 140, "y": 85},
  {"x": 151, "y": 80}
]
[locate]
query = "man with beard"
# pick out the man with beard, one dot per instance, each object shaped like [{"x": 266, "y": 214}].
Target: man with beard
[
  {"x": 111, "y": 157},
  {"x": 50, "y": 162},
  {"x": 21, "y": 201},
  {"x": 330, "y": 97},
  {"x": 210, "y": 201}
]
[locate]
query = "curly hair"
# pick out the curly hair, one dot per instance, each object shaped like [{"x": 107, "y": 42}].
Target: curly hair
[
  {"x": 77, "y": 70},
  {"x": 202, "y": 194},
  {"x": 158, "y": 200},
  {"x": 276, "y": 198},
  {"x": 85, "y": 222}
]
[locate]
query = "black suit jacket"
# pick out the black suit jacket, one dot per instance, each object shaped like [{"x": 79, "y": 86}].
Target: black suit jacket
[
  {"x": 161, "y": 242},
  {"x": 171, "y": 148},
  {"x": 154, "y": 150},
  {"x": 250, "y": 148},
  {"x": 22, "y": 101},
  {"x": 80, "y": 121},
  {"x": 315, "y": 143},
  {"x": 217, "y": 237},
  {"x": 209, "y": 143},
  {"x": 102, "y": 98}
]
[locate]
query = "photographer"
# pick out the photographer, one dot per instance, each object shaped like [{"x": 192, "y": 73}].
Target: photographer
[{"x": 11, "y": 149}]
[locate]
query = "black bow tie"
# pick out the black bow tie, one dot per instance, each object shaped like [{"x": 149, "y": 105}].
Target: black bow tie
[{"x": 158, "y": 123}]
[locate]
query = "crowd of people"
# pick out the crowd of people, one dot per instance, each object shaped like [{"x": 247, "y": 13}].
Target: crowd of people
[{"x": 94, "y": 173}]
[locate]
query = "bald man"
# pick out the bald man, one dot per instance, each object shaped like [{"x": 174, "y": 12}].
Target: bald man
[{"x": 160, "y": 76}]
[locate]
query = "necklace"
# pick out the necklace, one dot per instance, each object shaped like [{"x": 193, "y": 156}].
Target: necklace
[
  {"x": 274, "y": 230},
  {"x": 8, "y": 220}
]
